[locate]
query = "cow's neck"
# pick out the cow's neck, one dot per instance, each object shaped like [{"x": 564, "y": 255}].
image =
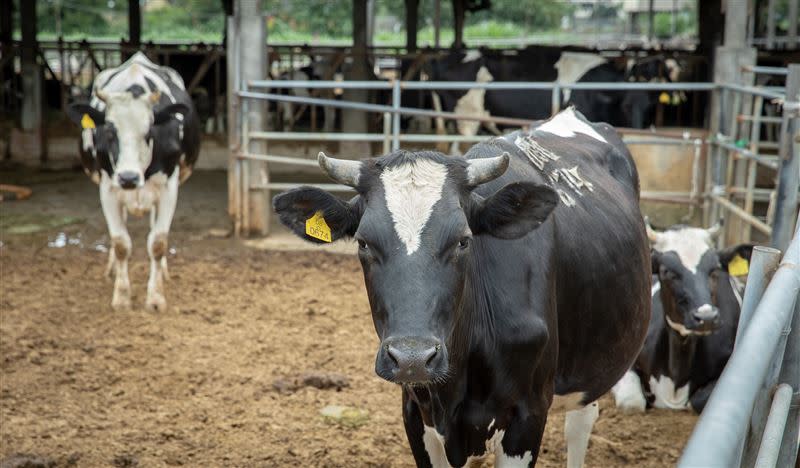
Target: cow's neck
[{"x": 681, "y": 351}]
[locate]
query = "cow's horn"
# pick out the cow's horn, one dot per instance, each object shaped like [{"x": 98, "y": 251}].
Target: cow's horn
[
  {"x": 714, "y": 230},
  {"x": 102, "y": 95},
  {"x": 340, "y": 170},
  {"x": 480, "y": 171},
  {"x": 652, "y": 234}
]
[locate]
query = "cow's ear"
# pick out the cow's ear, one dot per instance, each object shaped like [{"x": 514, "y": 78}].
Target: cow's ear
[
  {"x": 162, "y": 115},
  {"x": 85, "y": 115},
  {"x": 742, "y": 250},
  {"x": 302, "y": 209},
  {"x": 513, "y": 211}
]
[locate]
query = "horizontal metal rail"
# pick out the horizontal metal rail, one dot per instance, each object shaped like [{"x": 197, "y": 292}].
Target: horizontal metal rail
[
  {"x": 279, "y": 159},
  {"x": 496, "y": 85},
  {"x": 766, "y": 70},
  {"x": 741, "y": 213},
  {"x": 716, "y": 438},
  {"x": 290, "y": 186},
  {"x": 763, "y": 159},
  {"x": 754, "y": 90}
]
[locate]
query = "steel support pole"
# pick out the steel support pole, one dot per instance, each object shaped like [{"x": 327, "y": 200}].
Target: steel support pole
[
  {"x": 790, "y": 374},
  {"x": 789, "y": 170},
  {"x": 763, "y": 263},
  {"x": 397, "y": 116},
  {"x": 773, "y": 430}
]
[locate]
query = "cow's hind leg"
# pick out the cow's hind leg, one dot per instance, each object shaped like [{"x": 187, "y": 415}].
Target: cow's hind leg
[
  {"x": 578, "y": 429},
  {"x": 157, "y": 243},
  {"x": 628, "y": 394},
  {"x": 120, "y": 244}
]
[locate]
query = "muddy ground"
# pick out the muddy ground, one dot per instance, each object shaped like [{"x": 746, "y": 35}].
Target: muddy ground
[{"x": 82, "y": 385}]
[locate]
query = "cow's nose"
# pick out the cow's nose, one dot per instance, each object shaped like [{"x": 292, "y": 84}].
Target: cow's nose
[
  {"x": 706, "y": 313},
  {"x": 128, "y": 179},
  {"x": 410, "y": 359}
]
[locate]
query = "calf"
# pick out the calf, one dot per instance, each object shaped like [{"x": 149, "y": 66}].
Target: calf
[
  {"x": 496, "y": 281},
  {"x": 140, "y": 138},
  {"x": 695, "y": 304}
]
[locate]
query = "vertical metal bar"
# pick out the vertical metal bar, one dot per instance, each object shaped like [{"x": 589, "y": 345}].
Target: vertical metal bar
[
  {"x": 387, "y": 132},
  {"x": 396, "y": 117},
  {"x": 790, "y": 374},
  {"x": 731, "y": 229},
  {"x": 789, "y": 170},
  {"x": 752, "y": 166},
  {"x": 794, "y": 12},
  {"x": 763, "y": 263},
  {"x": 771, "y": 16},
  {"x": 773, "y": 431}
]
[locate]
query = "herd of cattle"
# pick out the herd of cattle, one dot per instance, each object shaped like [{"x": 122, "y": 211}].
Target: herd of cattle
[{"x": 498, "y": 281}]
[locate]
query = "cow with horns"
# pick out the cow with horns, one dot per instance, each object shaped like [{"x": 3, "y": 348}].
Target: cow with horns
[
  {"x": 140, "y": 138},
  {"x": 696, "y": 301},
  {"x": 495, "y": 281}
]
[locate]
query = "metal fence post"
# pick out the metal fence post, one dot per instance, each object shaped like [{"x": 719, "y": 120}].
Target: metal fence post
[
  {"x": 555, "y": 103},
  {"x": 789, "y": 171},
  {"x": 763, "y": 263},
  {"x": 397, "y": 116},
  {"x": 790, "y": 374},
  {"x": 773, "y": 431}
]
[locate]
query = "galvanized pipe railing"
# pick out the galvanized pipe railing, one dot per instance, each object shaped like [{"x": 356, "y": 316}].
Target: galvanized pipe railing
[{"x": 718, "y": 435}]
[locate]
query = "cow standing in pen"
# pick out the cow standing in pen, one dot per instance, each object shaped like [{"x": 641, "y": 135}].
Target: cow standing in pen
[
  {"x": 140, "y": 138},
  {"x": 496, "y": 281},
  {"x": 696, "y": 303}
]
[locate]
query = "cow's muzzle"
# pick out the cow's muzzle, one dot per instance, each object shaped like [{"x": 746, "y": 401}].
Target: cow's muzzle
[
  {"x": 412, "y": 360},
  {"x": 705, "y": 318},
  {"x": 128, "y": 179}
]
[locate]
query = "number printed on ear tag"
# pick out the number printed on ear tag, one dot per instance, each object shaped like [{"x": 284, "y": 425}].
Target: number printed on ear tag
[{"x": 317, "y": 228}]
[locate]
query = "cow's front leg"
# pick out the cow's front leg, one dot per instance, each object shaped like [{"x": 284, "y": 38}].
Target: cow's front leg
[
  {"x": 120, "y": 244},
  {"x": 523, "y": 436},
  {"x": 428, "y": 451},
  {"x": 578, "y": 429},
  {"x": 157, "y": 243}
]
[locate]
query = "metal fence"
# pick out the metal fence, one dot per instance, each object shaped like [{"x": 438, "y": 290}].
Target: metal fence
[{"x": 753, "y": 416}]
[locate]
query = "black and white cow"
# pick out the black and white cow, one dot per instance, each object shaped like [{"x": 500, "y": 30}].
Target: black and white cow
[
  {"x": 496, "y": 281},
  {"x": 695, "y": 312},
  {"x": 140, "y": 138},
  {"x": 619, "y": 108}
]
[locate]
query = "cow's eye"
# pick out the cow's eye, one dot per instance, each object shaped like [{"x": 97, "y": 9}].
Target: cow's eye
[
  {"x": 464, "y": 242},
  {"x": 362, "y": 245}
]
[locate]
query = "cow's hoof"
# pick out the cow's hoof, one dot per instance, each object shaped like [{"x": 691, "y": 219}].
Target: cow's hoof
[
  {"x": 631, "y": 405},
  {"x": 156, "y": 303},
  {"x": 121, "y": 302}
]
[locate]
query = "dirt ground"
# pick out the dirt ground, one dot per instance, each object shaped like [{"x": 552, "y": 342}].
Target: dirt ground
[{"x": 82, "y": 385}]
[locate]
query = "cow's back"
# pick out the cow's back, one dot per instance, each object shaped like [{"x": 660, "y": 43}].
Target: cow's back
[{"x": 599, "y": 244}]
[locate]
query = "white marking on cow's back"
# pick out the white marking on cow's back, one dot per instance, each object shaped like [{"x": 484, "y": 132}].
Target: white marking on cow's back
[
  {"x": 471, "y": 56},
  {"x": 472, "y": 103},
  {"x": 689, "y": 243},
  {"x": 628, "y": 394},
  {"x": 571, "y": 67},
  {"x": 666, "y": 396},
  {"x": 133, "y": 72},
  {"x": 566, "y": 124},
  {"x": 411, "y": 191},
  {"x": 434, "y": 445}
]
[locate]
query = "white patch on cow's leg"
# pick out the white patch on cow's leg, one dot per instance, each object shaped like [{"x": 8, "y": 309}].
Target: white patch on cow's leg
[
  {"x": 578, "y": 429},
  {"x": 157, "y": 243},
  {"x": 628, "y": 394},
  {"x": 667, "y": 396},
  {"x": 411, "y": 191},
  {"x": 434, "y": 445},
  {"x": 120, "y": 243}
]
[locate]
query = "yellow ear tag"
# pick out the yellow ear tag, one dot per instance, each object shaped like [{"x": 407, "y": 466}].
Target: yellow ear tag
[
  {"x": 738, "y": 266},
  {"x": 87, "y": 122},
  {"x": 664, "y": 98},
  {"x": 317, "y": 228}
]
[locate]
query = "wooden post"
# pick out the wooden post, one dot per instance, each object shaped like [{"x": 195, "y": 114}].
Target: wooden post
[
  {"x": 459, "y": 11},
  {"x": 412, "y": 15},
  {"x": 134, "y": 25},
  {"x": 354, "y": 121},
  {"x": 651, "y": 21},
  {"x": 794, "y": 12},
  {"x": 31, "y": 115},
  {"x": 771, "y": 19},
  {"x": 736, "y": 24},
  {"x": 253, "y": 66}
]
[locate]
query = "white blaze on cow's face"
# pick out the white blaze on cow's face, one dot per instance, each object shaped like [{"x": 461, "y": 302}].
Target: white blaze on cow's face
[{"x": 130, "y": 119}]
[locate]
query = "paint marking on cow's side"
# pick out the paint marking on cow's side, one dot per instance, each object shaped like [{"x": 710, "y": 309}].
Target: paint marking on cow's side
[
  {"x": 471, "y": 56},
  {"x": 411, "y": 191},
  {"x": 628, "y": 395},
  {"x": 689, "y": 243},
  {"x": 434, "y": 445},
  {"x": 566, "y": 124},
  {"x": 538, "y": 155},
  {"x": 666, "y": 396}
]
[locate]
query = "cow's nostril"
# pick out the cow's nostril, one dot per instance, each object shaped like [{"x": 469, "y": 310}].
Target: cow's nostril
[
  {"x": 394, "y": 354},
  {"x": 430, "y": 355},
  {"x": 128, "y": 179}
]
